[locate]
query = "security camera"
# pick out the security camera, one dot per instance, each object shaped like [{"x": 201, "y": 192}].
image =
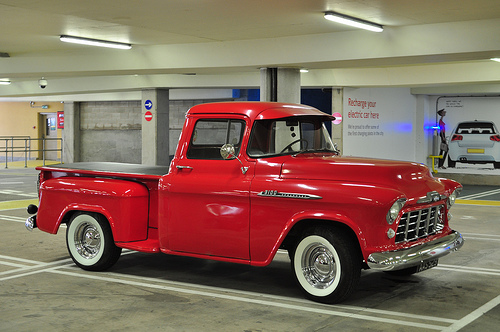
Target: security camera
[{"x": 42, "y": 82}]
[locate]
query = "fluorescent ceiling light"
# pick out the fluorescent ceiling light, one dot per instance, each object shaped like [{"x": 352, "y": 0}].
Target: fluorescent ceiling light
[
  {"x": 3, "y": 82},
  {"x": 354, "y": 22},
  {"x": 94, "y": 42},
  {"x": 495, "y": 59}
]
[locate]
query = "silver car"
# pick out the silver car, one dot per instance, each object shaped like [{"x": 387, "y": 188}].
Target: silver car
[{"x": 474, "y": 142}]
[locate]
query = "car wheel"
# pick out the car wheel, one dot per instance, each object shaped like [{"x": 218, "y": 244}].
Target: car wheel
[
  {"x": 496, "y": 164},
  {"x": 451, "y": 163},
  {"x": 326, "y": 265},
  {"x": 90, "y": 242}
]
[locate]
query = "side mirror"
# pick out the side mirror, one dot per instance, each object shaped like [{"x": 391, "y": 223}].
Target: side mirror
[{"x": 227, "y": 152}]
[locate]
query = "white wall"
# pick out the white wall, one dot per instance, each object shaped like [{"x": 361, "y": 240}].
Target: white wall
[{"x": 380, "y": 123}]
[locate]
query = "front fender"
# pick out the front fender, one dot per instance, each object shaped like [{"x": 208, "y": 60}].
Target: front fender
[
  {"x": 124, "y": 203},
  {"x": 310, "y": 217}
]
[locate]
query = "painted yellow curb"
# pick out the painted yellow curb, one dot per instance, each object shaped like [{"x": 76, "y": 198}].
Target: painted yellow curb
[
  {"x": 21, "y": 204},
  {"x": 477, "y": 202}
]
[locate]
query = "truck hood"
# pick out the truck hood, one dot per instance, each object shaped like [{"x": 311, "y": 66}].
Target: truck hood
[{"x": 413, "y": 179}]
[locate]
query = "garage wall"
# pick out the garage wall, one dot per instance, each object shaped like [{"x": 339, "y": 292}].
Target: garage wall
[{"x": 111, "y": 130}]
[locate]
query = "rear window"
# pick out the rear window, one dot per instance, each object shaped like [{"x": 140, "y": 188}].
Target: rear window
[
  {"x": 475, "y": 128},
  {"x": 210, "y": 135}
]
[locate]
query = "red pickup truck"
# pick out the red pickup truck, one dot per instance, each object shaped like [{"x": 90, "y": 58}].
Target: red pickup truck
[{"x": 247, "y": 179}]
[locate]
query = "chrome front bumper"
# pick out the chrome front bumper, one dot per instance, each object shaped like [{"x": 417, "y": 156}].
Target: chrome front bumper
[{"x": 405, "y": 258}]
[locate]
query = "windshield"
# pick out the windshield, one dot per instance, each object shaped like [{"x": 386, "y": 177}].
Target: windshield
[{"x": 289, "y": 136}]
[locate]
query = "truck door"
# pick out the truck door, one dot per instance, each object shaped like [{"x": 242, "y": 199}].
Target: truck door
[{"x": 207, "y": 198}]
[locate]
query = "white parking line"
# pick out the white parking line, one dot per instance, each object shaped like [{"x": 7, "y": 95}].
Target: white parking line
[
  {"x": 259, "y": 298},
  {"x": 473, "y": 315},
  {"x": 482, "y": 194},
  {"x": 465, "y": 269},
  {"x": 312, "y": 308}
]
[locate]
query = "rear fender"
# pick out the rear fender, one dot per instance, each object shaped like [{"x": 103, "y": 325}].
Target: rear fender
[{"x": 125, "y": 204}]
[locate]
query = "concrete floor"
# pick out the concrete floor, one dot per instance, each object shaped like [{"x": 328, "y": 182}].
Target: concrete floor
[{"x": 42, "y": 290}]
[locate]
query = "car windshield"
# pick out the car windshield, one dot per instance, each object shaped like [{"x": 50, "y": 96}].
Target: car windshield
[{"x": 289, "y": 136}]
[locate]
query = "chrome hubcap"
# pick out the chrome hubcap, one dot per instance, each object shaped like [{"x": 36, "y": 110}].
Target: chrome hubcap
[
  {"x": 87, "y": 240},
  {"x": 318, "y": 266}
]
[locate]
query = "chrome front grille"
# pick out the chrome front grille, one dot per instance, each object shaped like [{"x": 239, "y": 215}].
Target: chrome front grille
[{"x": 419, "y": 224}]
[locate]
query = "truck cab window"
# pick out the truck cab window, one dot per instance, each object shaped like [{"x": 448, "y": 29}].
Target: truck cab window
[{"x": 210, "y": 135}]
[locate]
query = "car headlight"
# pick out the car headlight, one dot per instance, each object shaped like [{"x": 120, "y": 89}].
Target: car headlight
[
  {"x": 453, "y": 197},
  {"x": 393, "y": 213}
]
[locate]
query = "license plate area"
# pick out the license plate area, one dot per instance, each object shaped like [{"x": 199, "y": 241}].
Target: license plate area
[
  {"x": 428, "y": 264},
  {"x": 475, "y": 150}
]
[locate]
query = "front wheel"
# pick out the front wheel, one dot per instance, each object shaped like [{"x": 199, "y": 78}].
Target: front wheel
[
  {"x": 327, "y": 265},
  {"x": 90, "y": 242}
]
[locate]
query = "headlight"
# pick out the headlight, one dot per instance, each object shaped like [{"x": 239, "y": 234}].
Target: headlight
[
  {"x": 393, "y": 213},
  {"x": 453, "y": 197}
]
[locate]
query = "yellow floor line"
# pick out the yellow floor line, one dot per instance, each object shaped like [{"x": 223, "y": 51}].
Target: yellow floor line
[
  {"x": 20, "y": 204},
  {"x": 477, "y": 202}
]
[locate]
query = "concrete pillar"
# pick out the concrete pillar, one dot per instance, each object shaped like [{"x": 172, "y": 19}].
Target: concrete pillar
[
  {"x": 280, "y": 84},
  {"x": 155, "y": 127},
  {"x": 338, "y": 107},
  {"x": 71, "y": 132}
]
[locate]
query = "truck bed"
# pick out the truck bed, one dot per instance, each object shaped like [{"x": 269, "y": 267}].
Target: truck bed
[{"x": 110, "y": 169}]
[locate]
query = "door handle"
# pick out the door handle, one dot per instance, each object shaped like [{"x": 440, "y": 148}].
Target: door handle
[{"x": 183, "y": 167}]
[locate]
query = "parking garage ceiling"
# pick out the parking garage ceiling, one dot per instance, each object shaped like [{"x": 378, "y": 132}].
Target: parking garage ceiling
[{"x": 220, "y": 43}]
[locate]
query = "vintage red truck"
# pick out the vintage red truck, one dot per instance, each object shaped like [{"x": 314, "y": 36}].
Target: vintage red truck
[{"x": 247, "y": 179}]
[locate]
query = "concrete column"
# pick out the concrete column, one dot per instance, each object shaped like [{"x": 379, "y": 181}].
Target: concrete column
[
  {"x": 155, "y": 127},
  {"x": 280, "y": 84},
  {"x": 71, "y": 132},
  {"x": 338, "y": 107}
]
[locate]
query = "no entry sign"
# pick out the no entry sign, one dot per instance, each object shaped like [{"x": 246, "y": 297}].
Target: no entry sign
[{"x": 148, "y": 116}]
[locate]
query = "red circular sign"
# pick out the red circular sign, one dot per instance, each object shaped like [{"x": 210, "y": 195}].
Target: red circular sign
[
  {"x": 148, "y": 116},
  {"x": 338, "y": 118}
]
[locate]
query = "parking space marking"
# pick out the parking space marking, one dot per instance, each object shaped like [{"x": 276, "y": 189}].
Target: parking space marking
[
  {"x": 18, "y": 204},
  {"x": 482, "y": 237},
  {"x": 262, "y": 299},
  {"x": 473, "y": 315},
  {"x": 477, "y": 202},
  {"x": 466, "y": 269},
  {"x": 234, "y": 295},
  {"x": 4, "y": 260},
  {"x": 481, "y": 194},
  {"x": 312, "y": 308},
  {"x": 318, "y": 308},
  {"x": 12, "y": 218}
]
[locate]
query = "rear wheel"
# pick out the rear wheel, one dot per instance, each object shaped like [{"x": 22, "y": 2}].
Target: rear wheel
[
  {"x": 90, "y": 242},
  {"x": 496, "y": 164},
  {"x": 326, "y": 264},
  {"x": 451, "y": 163}
]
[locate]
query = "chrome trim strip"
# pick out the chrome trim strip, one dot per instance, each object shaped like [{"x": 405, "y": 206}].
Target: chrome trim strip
[
  {"x": 275, "y": 193},
  {"x": 404, "y": 258}
]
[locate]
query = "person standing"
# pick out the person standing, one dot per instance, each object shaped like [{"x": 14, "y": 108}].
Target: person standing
[{"x": 443, "y": 146}]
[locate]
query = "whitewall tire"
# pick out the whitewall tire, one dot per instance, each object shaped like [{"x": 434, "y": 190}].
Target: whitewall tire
[
  {"x": 326, "y": 264},
  {"x": 90, "y": 242}
]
